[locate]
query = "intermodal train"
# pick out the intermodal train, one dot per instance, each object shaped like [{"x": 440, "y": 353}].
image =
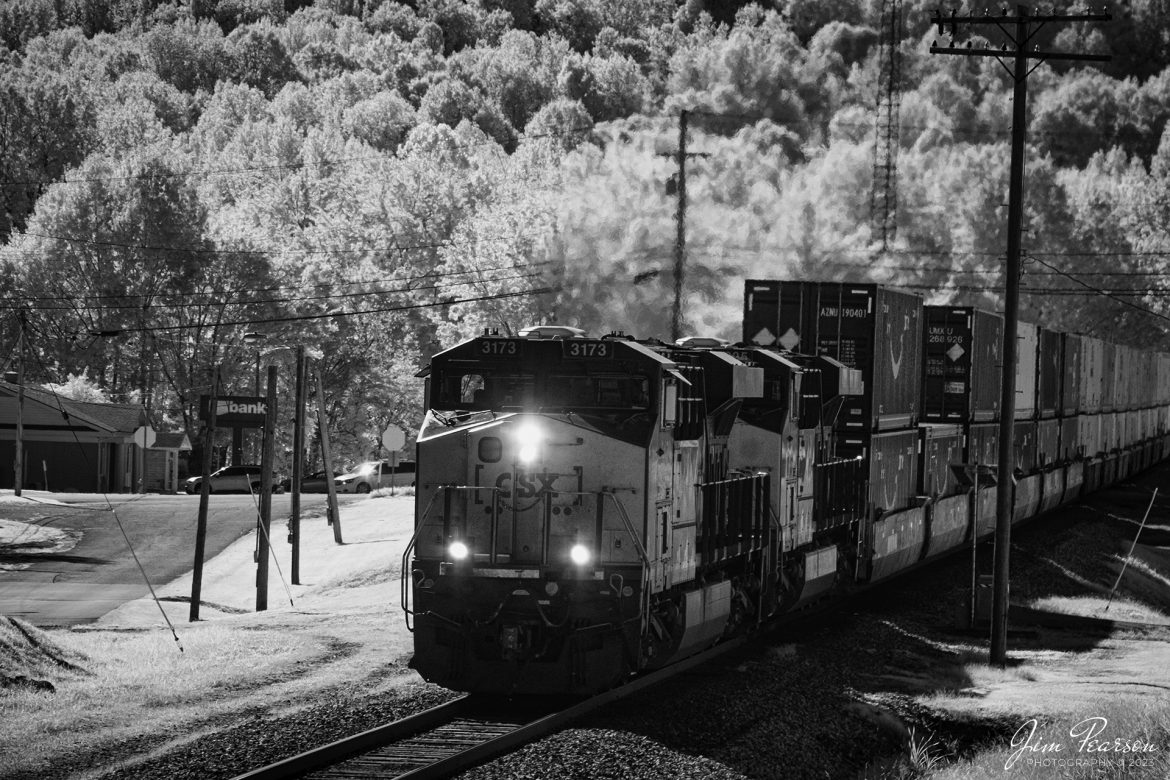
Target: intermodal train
[{"x": 591, "y": 508}]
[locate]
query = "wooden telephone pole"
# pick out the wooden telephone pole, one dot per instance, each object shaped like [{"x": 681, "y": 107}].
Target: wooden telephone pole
[
  {"x": 1019, "y": 30},
  {"x": 18, "y": 461},
  {"x": 679, "y": 184}
]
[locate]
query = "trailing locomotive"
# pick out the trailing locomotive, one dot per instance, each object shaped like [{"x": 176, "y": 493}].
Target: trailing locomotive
[{"x": 589, "y": 508}]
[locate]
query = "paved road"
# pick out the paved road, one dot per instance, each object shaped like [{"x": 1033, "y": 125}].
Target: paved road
[{"x": 100, "y": 573}]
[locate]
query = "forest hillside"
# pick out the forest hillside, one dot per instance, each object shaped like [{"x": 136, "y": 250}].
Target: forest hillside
[{"x": 378, "y": 180}]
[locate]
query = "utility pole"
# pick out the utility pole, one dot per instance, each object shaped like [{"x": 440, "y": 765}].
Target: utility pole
[
  {"x": 18, "y": 461},
  {"x": 883, "y": 197},
  {"x": 266, "y": 458},
  {"x": 679, "y": 186},
  {"x": 680, "y": 232},
  {"x": 294, "y": 520},
  {"x": 204, "y": 493},
  {"x": 1025, "y": 26}
]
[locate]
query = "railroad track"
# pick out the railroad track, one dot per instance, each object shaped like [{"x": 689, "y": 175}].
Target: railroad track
[{"x": 458, "y": 735}]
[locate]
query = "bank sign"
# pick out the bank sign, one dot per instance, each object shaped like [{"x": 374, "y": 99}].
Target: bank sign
[{"x": 239, "y": 409}]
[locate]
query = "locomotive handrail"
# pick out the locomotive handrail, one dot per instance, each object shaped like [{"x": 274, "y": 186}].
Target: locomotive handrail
[
  {"x": 406, "y": 561},
  {"x": 414, "y": 538}
]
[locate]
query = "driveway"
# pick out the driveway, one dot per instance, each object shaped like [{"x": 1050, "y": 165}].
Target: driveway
[{"x": 60, "y": 587}]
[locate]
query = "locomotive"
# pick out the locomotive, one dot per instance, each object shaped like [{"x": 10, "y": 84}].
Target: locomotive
[{"x": 589, "y": 508}]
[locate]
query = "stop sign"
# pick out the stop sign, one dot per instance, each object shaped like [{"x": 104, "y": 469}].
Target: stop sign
[
  {"x": 393, "y": 438},
  {"x": 144, "y": 436}
]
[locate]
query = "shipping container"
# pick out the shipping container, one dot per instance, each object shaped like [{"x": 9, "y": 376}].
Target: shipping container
[
  {"x": 983, "y": 444},
  {"x": 1074, "y": 480},
  {"x": 947, "y": 520},
  {"x": 1051, "y": 490},
  {"x": 1027, "y": 498},
  {"x": 1110, "y": 435},
  {"x": 962, "y": 367},
  {"x": 940, "y": 447},
  {"x": 1026, "y": 349},
  {"x": 1094, "y": 475},
  {"x": 1070, "y": 446},
  {"x": 1089, "y": 434},
  {"x": 891, "y": 462},
  {"x": 1024, "y": 447},
  {"x": 1049, "y": 372},
  {"x": 1047, "y": 442},
  {"x": 1092, "y": 371},
  {"x": 984, "y": 508},
  {"x": 897, "y": 542},
  {"x": 1070, "y": 383},
  {"x": 1109, "y": 470},
  {"x": 874, "y": 329},
  {"x": 1162, "y": 386},
  {"x": 1108, "y": 376}
]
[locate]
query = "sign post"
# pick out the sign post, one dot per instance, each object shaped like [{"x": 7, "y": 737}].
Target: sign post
[
  {"x": 392, "y": 439},
  {"x": 144, "y": 437}
]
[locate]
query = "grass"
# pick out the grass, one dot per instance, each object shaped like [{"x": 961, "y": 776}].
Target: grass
[
  {"x": 128, "y": 679},
  {"x": 1123, "y": 609},
  {"x": 1125, "y": 720},
  {"x": 122, "y": 688}
]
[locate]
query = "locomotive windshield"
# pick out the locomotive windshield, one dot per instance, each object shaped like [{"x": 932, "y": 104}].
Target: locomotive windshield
[{"x": 481, "y": 388}]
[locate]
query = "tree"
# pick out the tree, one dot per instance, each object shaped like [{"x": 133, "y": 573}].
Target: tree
[
  {"x": 382, "y": 121},
  {"x": 79, "y": 387},
  {"x": 259, "y": 59}
]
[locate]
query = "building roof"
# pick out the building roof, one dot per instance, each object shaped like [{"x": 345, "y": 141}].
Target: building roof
[
  {"x": 171, "y": 441},
  {"x": 114, "y": 418}
]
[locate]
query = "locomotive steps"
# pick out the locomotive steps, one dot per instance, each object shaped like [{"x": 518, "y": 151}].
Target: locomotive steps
[{"x": 252, "y": 688}]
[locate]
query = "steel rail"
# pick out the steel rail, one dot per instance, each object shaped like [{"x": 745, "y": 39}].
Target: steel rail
[
  {"x": 382, "y": 751},
  {"x": 335, "y": 752}
]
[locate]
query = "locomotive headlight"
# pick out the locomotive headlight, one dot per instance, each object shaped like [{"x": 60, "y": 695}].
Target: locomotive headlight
[
  {"x": 579, "y": 554},
  {"x": 528, "y": 437},
  {"x": 458, "y": 551}
]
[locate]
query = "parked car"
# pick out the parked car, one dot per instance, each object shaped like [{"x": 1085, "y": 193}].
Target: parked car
[
  {"x": 233, "y": 479},
  {"x": 310, "y": 483},
  {"x": 374, "y": 474}
]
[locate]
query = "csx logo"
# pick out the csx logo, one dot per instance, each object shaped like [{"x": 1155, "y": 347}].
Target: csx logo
[{"x": 530, "y": 484}]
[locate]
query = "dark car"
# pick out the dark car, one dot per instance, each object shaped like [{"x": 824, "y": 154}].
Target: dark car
[
  {"x": 233, "y": 479},
  {"x": 310, "y": 483}
]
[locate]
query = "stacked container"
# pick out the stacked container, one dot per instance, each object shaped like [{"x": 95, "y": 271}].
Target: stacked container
[
  {"x": 1049, "y": 373},
  {"x": 962, "y": 367},
  {"x": 879, "y": 332},
  {"x": 1026, "y": 349}
]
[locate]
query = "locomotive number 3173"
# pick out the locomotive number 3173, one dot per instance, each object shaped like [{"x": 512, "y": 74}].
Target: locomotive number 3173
[
  {"x": 499, "y": 348},
  {"x": 587, "y": 349}
]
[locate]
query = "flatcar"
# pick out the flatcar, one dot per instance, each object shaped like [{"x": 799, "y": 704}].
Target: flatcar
[{"x": 591, "y": 508}]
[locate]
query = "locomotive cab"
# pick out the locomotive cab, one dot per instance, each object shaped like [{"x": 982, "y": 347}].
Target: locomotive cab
[{"x": 530, "y": 573}]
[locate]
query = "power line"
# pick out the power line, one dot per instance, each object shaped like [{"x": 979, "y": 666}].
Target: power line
[
  {"x": 1104, "y": 293},
  {"x": 330, "y": 315},
  {"x": 165, "y": 303}
]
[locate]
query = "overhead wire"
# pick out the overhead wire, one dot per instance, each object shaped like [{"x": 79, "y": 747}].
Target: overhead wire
[
  {"x": 163, "y": 301},
  {"x": 340, "y": 314},
  {"x": 1099, "y": 291}
]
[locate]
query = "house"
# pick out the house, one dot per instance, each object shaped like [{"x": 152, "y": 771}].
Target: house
[{"x": 80, "y": 446}]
